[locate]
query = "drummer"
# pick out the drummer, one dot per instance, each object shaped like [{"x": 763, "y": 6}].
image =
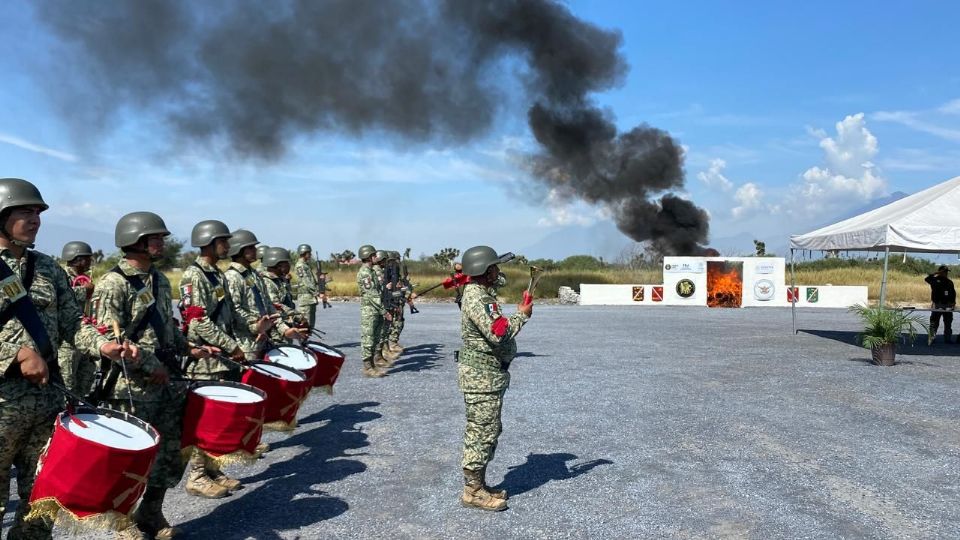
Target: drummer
[
  {"x": 250, "y": 302},
  {"x": 41, "y": 312},
  {"x": 275, "y": 266}
]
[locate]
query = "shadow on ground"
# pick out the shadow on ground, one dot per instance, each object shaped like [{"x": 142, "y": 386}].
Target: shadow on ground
[
  {"x": 291, "y": 497},
  {"x": 920, "y": 348},
  {"x": 540, "y": 469},
  {"x": 419, "y": 358}
]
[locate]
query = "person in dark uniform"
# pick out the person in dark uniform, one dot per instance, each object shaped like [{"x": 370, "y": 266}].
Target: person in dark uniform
[{"x": 943, "y": 296}]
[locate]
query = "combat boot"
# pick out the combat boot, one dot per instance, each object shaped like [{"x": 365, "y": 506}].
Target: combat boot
[
  {"x": 131, "y": 533},
  {"x": 221, "y": 479},
  {"x": 495, "y": 493},
  {"x": 474, "y": 495},
  {"x": 379, "y": 360},
  {"x": 261, "y": 449},
  {"x": 149, "y": 515},
  {"x": 200, "y": 485},
  {"x": 389, "y": 355},
  {"x": 396, "y": 347},
  {"x": 370, "y": 370}
]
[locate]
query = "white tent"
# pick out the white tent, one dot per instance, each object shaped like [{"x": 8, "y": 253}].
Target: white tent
[{"x": 928, "y": 221}]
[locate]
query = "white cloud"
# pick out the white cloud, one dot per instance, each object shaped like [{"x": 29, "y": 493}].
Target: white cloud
[
  {"x": 27, "y": 145},
  {"x": 564, "y": 213},
  {"x": 925, "y": 121},
  {"x": 749, "y": 197},
  {"x": 950, "y": 107},
  {"x": 714, "y": 177}
]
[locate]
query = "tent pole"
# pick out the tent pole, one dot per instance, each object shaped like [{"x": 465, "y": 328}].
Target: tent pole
[
  {"x": 793, "y": 283},
  {"x": 883, "y": 280}
]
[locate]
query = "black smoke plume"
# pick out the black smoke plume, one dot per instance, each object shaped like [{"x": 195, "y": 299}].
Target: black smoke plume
[{"x": 251, "y": 76}]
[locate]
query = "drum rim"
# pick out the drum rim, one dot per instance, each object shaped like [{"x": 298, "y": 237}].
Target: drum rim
[
  {"x": 325, "y": 346},
  {"x": 110, "y": 413},
  {"x": 281, "y": 366},
  {"x": 308, "y": 354},
  {"x": 234, "y": 384}
]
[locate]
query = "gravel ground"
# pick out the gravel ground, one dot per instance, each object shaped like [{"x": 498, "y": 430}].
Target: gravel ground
[{"x": 620, "y": 423}]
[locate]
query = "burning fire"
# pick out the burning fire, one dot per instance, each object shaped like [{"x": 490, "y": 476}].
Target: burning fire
[{"x": 724, "y": 284}]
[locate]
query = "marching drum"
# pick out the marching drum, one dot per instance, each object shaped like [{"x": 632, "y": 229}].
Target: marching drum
[
  {"x": 329, "y": 362},
  {"x": 95, "y": 467},
  {"x": 286, "y": 389},
  {"x": 224, "y": 420},
  {"x": 294, "y": 357}
]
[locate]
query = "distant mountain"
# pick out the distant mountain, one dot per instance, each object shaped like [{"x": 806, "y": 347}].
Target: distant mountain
[
  {"x": 602, "y": 239},
  {"x": 53, "y": 236}
]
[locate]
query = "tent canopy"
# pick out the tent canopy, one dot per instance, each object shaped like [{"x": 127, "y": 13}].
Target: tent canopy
[{"x": 928, "y": 221}]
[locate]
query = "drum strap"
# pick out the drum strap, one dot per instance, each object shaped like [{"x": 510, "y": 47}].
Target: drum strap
[
  {"x": 215, "y": 281},
  {"x": 152, "y": 315},
  {"x": 257, "y": 297},
  {"x": 24, "y": 310}
]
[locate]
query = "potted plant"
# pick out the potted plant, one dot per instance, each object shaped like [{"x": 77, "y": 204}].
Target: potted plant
[{"x": 883, "y": 328}]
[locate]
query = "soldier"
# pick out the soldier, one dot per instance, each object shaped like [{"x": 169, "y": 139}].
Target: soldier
[
  {"x": 372, "y": 313},
  {"x": 261, "y": 249},
  {"x": 307, "y": 291},
  {"x": 247, "y": 295},
  {"x": 78, "y": 370},
  {"x": 139, "y": 299},
  {"x": 39, "y": 312},
  {"x": 457, "y": 276},
  {"x": 276, "y": 267},
  {"x": 396, "y": 326},
  {"x": 322, "y": 279},
  {"x": 208, "y": 316},
  {"x": 488, "y": 348},
  {"x": 384, "y": 356}
]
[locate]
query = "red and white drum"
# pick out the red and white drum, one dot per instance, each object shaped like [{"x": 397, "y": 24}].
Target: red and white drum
[
  {"x": 329, "y": 362},
  {"x": 286, "y": 389},
  {"x": 224, "y": 420},
  {"x": 294, "y": 357},
  {"x": 95, "y": 467}
]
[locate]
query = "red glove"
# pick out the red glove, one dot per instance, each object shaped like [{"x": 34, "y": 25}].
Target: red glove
[
  {"x": 499, "y": 326},
  {"x": 461, "y": 279},
  {"x": 527, "y": 298},
  {"x": 449, "y": 283}
]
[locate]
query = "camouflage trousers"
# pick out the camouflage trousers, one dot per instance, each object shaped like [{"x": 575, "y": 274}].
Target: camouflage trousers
[
  {"x": 396, "y": 327},
  {"x": 165, "y": 414},
  {"x": 309, "y": 312},
  {"x": 483, "y": 428},
  {"x": 26, "y": 424},
  {"x": 371, "y": 331},
  {"x": 78, "y": 370}
]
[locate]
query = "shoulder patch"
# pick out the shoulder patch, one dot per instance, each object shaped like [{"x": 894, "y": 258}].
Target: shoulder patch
[
  {"x": 186, "y": 294},
  {"x": 492, "y": 308}
]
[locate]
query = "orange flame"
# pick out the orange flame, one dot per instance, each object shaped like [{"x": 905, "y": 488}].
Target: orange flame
[{"x": 724, "y": 284}]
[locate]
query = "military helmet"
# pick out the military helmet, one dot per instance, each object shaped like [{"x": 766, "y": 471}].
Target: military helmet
[
  {"x": 366, "y": 251},
  {"x": 381, "y": 255},
  {"x": 75, "y": 249},
  {"x": 260, "y": 251},
  {"x": 16, "y": 192},
  {"x": 205, "y": 232},
  {"x": 240, "y": 239},
  {"x": 477, "y": 259},
  {"x": 274, "y": 256},
  {"x": 304, "y": 248},
  {"x": 134, "y": 226},
  {"x": 395, "y": 255}
]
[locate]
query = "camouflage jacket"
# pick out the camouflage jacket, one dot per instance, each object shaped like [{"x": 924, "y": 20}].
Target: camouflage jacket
[
  {"x": 115, "y": 299},
  {"x": 58, "y": 310},
  {"x": 307, "y": 289},
  {"x": 217, "y": 325},
  {"x": 245, "y": 286},
  {"x": 371, "y": 287},
  {"x": 280, "y": 294},
  {"x": 80, "y": 292},
  {"x": 489, "y": 343}
]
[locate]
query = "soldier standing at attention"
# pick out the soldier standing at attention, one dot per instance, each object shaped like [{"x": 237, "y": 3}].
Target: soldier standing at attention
[
  {"x": 78, "y": 370},
  {"x": 275, "y": 269},
  {"x": 488, "y": 348},
  {"x": 208, "y": 318},
  {"x": 139, "y": 299},
  {"x": 322, "y": 279},
  {"x": 372, "y": 314},
  {"x": 943, "y": 296},
  {"x": 40, "y": 312},
  {"x": 307, "y": 291}
]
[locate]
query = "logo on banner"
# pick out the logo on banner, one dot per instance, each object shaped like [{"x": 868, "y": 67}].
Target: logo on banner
[
  {"x": 656, "y": 294},
  {"x": 765, "y": 268},
  {"x": 763, "y": 290},
  {"x": 686, "y": 288},
  {"x": 793, "y": 294},
  {"x": 813, "y": 295},
  {"x": 697, "y": 267},
  {"x": 638, "y": 293}
]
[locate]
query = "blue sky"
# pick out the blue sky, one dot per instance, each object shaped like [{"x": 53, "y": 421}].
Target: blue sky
[{"x": 789, "y": 114}]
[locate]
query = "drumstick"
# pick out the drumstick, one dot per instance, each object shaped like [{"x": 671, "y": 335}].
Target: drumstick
[
  {"x": 71, "y": 396},
  {"x": 123, "y": 361}
]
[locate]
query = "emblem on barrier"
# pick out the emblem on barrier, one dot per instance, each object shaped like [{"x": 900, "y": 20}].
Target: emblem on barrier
[
  {"x": 686, "y": 288},
  {"x": 813, "y": 295},
  {"x": 638, "y": 293},
  {"x": 656, "y": 293},
  {"x": 763, "y": 290}
]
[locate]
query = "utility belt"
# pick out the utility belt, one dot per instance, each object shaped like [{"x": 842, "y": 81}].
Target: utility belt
[{"x": 480, "y": 360}]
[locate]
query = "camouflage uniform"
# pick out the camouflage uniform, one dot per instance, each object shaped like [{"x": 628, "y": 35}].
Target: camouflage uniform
[
  {"x": 396, "y": 326},
  {"x": 79, "y": 371},
  {"x": 280, "y": 294},
  {"x": 217, "y": 327},
  {"x": 245, "y": 286},
  {"x": 483, "y": 373},
  {"x": 161, "y": 405},
  {"x": 371, "y": 311},
  {"x": 307, "y": 289},
  {"x": 27, "y": 411}
]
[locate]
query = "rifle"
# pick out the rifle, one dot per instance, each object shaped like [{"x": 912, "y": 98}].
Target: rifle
[
  {"x": 392, "y": 295},
  {"x": 408, "y": 288}
]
